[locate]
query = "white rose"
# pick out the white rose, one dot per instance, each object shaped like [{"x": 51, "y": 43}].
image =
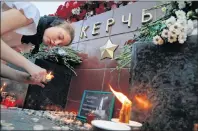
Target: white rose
[
  {"x": 180, "y": 14},
  {"x": 181, "y": 4},
  {"x": 76, "y": 11},
  {"x": 170, "y": 21}
]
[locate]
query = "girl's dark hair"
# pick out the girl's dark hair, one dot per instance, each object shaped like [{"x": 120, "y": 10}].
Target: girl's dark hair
[{"x": 44, "y": 23}]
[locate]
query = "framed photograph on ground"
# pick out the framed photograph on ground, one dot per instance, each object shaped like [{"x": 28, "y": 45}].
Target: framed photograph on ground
[{"x": 101, "y": 103}]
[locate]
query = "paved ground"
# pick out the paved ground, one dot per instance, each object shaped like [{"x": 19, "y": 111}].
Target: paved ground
[{"x": 17, "y": 120}]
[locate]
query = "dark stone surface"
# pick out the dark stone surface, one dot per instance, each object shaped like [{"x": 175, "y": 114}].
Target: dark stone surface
[
  {"x": 168, "y": 77},
  {"x": 19, "y": 120},
  {"x": 55, "y": 91}
]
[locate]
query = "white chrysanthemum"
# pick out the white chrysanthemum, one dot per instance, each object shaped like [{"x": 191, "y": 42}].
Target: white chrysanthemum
[
  {"x": 176, "y": 28},
  {"x": 181, "y": 4},
  {"x": 180, "y": 14},
  {"x": 182, "y": 38},
  {"x": 184, "y": 29},
  {"x": 183, "y": 22},
  {"x": 76, "y": 11},
  {"x": 157, "y": 40},
  {"x": 171, "y": 37},
  {"x": 189, "y": 27},
  {"x": 170, "y": 21},
  {"x": 165, "y": 33}
]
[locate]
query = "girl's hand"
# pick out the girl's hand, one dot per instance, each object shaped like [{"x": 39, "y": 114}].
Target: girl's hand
[
  {"x": 37, "y": 73},
  {"x": 33, "y": 81}
]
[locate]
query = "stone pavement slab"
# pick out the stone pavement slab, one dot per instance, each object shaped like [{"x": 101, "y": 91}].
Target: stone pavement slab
[{"x": 14, "y": 119}]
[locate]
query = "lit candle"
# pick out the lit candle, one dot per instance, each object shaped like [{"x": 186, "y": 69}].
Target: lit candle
[
  {"x": 125, "y": 112},
  {"x": 4, "y": 85},
  {"x": 66, "y": 114},
  {"x": 87, "y": 126},
  {"x": 49, "y": 76},
  {"x": 71, "y": 115},
  {"x": 79, "y": 123}
]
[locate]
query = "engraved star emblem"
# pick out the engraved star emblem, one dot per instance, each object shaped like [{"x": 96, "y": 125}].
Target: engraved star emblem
[{"x": 107, "y": 51}]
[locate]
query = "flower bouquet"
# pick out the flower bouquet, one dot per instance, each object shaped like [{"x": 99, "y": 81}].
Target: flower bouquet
[
  {"x": 177, "y": 29},
  {"x": 178, "y": 26},
  {"x": 61, "y": 55}
]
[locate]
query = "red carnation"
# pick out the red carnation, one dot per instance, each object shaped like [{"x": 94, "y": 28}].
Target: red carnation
[
  {"x": 82, "y": 14},
  {"x": 101, "y": 6},
  {"x": 60, "y": 11},
  {"x": 97, "y": 10}
]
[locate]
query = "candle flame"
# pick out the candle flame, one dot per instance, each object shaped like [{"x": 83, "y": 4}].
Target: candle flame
[
  {"x": 121, "y": 97},
  {"x": 49, "y": 76},
  {"x": 4, "y": 85},
  {"x": 143, "y": 102}
]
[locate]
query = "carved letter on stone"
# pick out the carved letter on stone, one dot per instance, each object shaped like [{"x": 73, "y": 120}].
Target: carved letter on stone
[
  {"x": 149, "y": 15},
  {"x": 83, "y": 33},
  {"x": 96, "y": 27},
  {"x": 127, "y": 21},
  {"x": 110, "y": 22}
]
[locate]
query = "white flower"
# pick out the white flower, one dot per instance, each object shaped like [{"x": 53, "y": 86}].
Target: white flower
[
  {"x": 189, "y": 27},
  {"x": 195, "y": 22},
  {"x": 170, "y": 21},
  {"x": 183, "y": 22},
  {"x": 182, "y": 38},
  {"x": 157, "y": 40},
  {"x": 189, "y": 14},
  {"x": 180, "y": 14},
  {"x": 163, "y": 9},
  {"x": 181, "y": 4},
  {"x": 184, "y": 29},
  {"x": 172, "y": 37},
  {"x": 89, "y": 14},
  {"x": 196, "y": 10},
  {"x": 176, "y": 28},
  {"x": 165, "y": 33},
  {"x": 76, "y": 11}
]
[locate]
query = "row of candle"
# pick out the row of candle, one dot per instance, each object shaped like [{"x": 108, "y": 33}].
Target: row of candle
[{"x": 61, "y": 118}]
